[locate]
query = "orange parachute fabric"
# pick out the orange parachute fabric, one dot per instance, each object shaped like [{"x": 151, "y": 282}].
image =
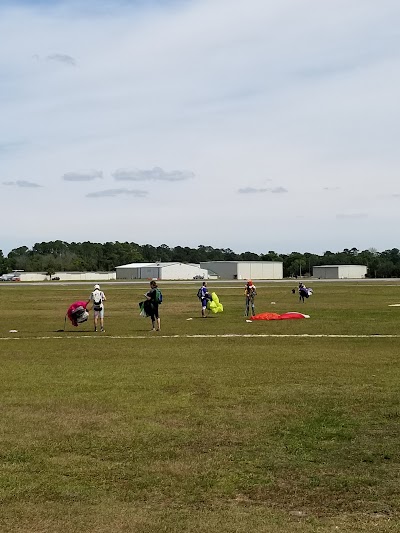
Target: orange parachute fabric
[{"x": 275, "y": 316}]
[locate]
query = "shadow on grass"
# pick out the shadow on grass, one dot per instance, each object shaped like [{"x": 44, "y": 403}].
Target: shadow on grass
[
  {"x": 78, "y": 332},
  {"x": 202, "y": 317}
]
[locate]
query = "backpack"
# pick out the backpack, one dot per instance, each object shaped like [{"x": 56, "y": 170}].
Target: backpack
[
  {"x": 159, "y": 297},
  {"x": 200, "y": 294},
  {"x": 97, "y": 302}
]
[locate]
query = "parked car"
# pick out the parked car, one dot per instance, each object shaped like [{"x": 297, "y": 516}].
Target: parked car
[
  {"x": 55, "y": 278},
  {"x": 13, "y": 276}
]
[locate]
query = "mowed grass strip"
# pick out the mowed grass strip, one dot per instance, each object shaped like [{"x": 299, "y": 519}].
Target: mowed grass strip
[
  {"x": 335, "y": 308},
  {"x": 223, "y": 434}
]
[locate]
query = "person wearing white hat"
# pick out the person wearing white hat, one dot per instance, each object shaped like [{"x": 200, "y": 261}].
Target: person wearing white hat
[{"x": 98, "y": 298}]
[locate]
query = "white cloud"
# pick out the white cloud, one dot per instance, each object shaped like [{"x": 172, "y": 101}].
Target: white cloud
[
  {"x": 117, "y": 192},
  {"x": 306, "y": 92},
  {"x": 252, "y": 190},
  {"x": 155, "y": 174},
  {"x": 87, "y": 175},
  {"x": 62, "y": 58},
  {"x": 278, "y": 190},
  {"x": 351, "y": 215},
  {"x": 22, "y": 183}
]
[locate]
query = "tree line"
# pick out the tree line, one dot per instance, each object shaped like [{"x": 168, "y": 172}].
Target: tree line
[{"x": 60, "y": 256}]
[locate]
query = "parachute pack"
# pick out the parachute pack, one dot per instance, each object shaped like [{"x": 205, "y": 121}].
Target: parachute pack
[
  {"x": 80, "y": 314},
  {"x": 159, "y": 296},
  {"x": 199, "y": 294},
  {"x": 97, "y": 300}
]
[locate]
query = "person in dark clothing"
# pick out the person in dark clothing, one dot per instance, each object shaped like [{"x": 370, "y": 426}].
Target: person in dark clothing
[
  {"x": 250, "y": 293},
  {"x": 204, "y": 296},
  {"x": 304, "y": 292},
  {"x": 151, "y": 306}
]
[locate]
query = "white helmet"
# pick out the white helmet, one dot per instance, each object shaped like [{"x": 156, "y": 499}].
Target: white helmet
[{"x": 97, "y": 287}]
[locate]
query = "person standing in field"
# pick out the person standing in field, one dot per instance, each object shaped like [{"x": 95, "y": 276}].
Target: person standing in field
[
  {"x": 153, "y": 300},
  {"x": 304, "y": 292},
  {"x": 97, "y": 298},
  {"x": 250, "y": 293},
  {"x": 203, "y": 296}
]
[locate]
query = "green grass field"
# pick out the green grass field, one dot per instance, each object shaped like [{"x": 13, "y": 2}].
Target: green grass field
[{"x": 200, "y": 428}]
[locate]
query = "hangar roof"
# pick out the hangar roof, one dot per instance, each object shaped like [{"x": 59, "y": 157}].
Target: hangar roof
[{"x": 158, "y": 264}]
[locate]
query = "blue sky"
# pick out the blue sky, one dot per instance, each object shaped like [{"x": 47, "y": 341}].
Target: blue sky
[{"x": 251, "y": 125}]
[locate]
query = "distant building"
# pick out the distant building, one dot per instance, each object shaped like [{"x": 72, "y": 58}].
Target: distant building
[
  {"x": 340, "y": 271},
  {"x": 59, "y": 276},
  {"x": 161, "y": 271},
  {"x": 245, "y": 269}
]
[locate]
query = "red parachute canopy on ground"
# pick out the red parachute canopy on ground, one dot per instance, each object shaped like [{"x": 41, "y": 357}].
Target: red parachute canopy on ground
[{"x": 275, "y": 316}]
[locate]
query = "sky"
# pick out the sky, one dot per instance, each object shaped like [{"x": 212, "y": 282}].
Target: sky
[{"x": 253, "y": 125}]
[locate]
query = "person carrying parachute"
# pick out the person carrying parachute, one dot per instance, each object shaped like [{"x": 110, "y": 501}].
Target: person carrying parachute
[
  {"x": 149, "y": 307},
  {"x": 304, "y": 292},
  {"x": 204, "y": 296}
]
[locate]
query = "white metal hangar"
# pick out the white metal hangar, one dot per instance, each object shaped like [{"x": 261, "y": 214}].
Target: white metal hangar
[
  {"x": 245, "y": 269},
  {"x": 340, "y": 271},
  {"x": 161, "y": 271}
]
